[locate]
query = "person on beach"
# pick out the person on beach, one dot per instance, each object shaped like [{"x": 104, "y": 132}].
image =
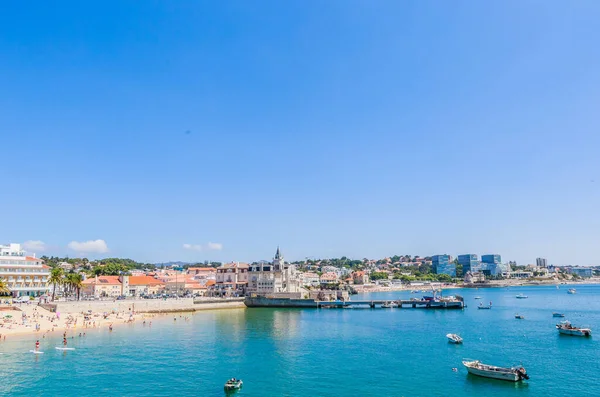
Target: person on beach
[{"x": 110, "y": 327}]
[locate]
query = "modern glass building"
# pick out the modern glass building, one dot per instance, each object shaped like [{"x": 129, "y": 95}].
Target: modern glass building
[
  {"x": 470, "y": 263},
  {"x": 492, "y": 264},
  {"x": 441, "y": 265}
]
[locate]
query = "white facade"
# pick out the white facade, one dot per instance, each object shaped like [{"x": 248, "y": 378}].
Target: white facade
[
  {"x": 310, "y": 279},
  {"x": 272, "y": 278},
  {"x": 25, "y": 275}
]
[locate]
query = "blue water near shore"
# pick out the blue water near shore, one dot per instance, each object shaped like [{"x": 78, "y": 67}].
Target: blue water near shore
[{"x": 326, "y": 352}]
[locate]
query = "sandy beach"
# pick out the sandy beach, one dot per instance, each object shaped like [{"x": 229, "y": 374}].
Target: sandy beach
[{"x": 73, "y": 318}]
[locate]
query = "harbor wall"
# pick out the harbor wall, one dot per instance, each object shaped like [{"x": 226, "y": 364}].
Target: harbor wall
[
  {"x": 146, "y": 305},
  {"x": 261, "y": 301}
]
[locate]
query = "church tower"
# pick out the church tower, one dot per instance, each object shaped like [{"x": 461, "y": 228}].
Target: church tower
[{"x": 278, "y": 261}]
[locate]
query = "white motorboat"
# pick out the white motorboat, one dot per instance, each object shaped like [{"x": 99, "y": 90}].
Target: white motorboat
[
  {"x": 521, "y": 296},
  {"x": 513, "y": 374},
  {"x": 477, "y": 297},
  {"x": 389, "y": 305},
  {"x": 233, "y": 384},
  {"x": 519, "y": 317},
  {"x": 572, "y": 291},
  {"x": 566, "y": 328},
  {"x": 454, "y": 338}
]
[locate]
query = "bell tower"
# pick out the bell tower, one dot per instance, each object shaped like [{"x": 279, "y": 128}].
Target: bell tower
[{"x": 278, "y": 261}]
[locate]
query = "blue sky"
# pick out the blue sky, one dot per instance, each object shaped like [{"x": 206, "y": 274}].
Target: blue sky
[{"x": 333, "y": 128}]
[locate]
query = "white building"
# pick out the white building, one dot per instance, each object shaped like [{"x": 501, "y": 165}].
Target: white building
[
  {"x": 269, "y": 278},
  {"x": 310, "y": 279},
  {"x": 231, "y": 280},
  {"x": 25, "y": 275}
]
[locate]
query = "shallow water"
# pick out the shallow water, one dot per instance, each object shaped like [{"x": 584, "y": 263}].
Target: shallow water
[{"x": 326, "y": 352}]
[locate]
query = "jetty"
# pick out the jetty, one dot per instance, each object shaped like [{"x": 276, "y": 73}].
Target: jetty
[{"x": 457, "y": 303}]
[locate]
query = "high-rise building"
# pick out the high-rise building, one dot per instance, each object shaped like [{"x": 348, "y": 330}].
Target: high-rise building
[
  {"x": 541, "y": 262},
  {"x": 492, "y": 264},
  {"x": 470, "y": 263},
  {"x": 441, "y": 265}
]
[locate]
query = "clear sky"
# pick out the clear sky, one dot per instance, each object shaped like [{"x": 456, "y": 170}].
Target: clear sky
[{"x": 191, "y": 130}]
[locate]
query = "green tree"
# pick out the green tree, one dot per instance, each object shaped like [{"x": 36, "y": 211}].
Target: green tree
[
  {"x": 444, "y": 278},
  {"x": 56, "y": 278},
  {"x": 378, "y": 276}
]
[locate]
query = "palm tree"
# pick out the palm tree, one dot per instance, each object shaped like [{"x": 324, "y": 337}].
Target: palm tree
[
  {"x": 75, "y": 281},
  {"x": 4, "y": 287},
  {"x": 56, "y": 278}
]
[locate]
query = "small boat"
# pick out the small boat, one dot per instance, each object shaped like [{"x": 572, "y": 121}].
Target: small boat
[
  {"x": 519, "y": 316},
  {"x": 566, "y": 328},
  {"x": 233, "y": 384},
  {"x": 572, "y": 291},
  {"x": 521, "y": 296},
  {"x": 513, "y": 374},
  {"x": 389, "y": 305},
  {"x": 557, "y": 314},
  {"x": 477, "y": 297},
  {"x": 484, "y": 307},
  {"x": 454, "y": 338}
]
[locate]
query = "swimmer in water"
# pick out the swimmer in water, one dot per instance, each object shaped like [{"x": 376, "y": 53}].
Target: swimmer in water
[
  {"x": 37, "y": 345},
  {"x": 110, "y": 327},
  {"x": 65, "y": 342}
]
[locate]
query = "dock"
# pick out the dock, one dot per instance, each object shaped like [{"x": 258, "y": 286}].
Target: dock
[{"x": 401, "y": 304}]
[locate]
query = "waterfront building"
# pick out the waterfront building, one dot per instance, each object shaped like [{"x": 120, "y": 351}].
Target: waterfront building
[
  {"x": 471, "y": 278},
  {"x": 142, "y": 285},
  {"x": 541, "y": 262},
  {"x": 328, "y": 278},
  {"x": 202, "y": 273},
  {"x": 582, "y": 271},
  {"x": 491, "y": 264},
  {"x": 231, "y": 279},
  {"x": 470, "y": 263},
  {"x": 310, "y": 279},
  {"x": 102, "y": 286},
  {"x": 24, "y": 274},
  {"x": 441, "y": 265},
  {"x": 114, "y": 286},
  {"x": 360, "y": 277},
  {"x": 274, "y": 277},
  {"x": 519, "y": 274}
]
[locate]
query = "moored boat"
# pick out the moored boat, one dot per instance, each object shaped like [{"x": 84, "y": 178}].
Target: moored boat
[
  {"x": 572, "y": 291},
  {"x": 454, "y": 338},
  {"x": 521, "y": 296},
  {"x": 389, "y": 305},
  {"x": 512, "y": 374},
  {"x": 477, "y": 297},
  {"x": 519, "y": 317},
  {"x": 557, "y": 314},
  {"x": 233, "y": 384},
  {"x": 566, "y": 328}
]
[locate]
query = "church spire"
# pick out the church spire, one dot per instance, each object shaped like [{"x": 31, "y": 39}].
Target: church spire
[{"x": 277, "y": 254}]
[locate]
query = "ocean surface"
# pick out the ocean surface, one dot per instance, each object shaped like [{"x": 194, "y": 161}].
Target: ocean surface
[{"x": 326, "y": 352}]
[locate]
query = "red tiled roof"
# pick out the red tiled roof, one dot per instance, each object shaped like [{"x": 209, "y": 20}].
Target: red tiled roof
[
  {"x": 144, "y": 280},
  {"x": 103, "y": 280}
]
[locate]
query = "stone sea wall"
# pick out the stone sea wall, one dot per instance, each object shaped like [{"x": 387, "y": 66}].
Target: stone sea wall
[{"x": 146, "y": 305}]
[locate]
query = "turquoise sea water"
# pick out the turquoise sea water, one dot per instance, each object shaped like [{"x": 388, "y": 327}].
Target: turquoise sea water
[{"x": 326, "y": 352}]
